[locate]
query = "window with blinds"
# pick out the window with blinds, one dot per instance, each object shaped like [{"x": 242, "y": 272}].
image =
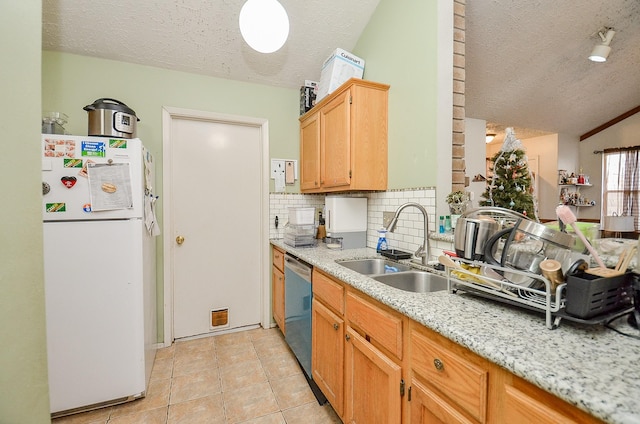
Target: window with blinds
[{"x": 621, "y": 183}]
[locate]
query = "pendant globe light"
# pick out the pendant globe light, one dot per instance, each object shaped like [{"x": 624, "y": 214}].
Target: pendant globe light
[{"x": 264, "y": 25}]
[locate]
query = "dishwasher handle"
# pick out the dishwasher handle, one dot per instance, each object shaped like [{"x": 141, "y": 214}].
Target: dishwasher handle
[{"x": 297, "y": 266}]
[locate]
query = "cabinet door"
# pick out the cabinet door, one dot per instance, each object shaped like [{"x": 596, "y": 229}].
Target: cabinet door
[
  {"x": 327, "y": 354},
  {"x": 524, "y": 409},
  {"x": 310, "y": 153},
  {"x": 372, "y": 383},
  {"x": 335, "y": 142},
  {"x": 277, "y": 279},
  {"x": 277, "y": 258},
  {"x": 428, "y": 408}
]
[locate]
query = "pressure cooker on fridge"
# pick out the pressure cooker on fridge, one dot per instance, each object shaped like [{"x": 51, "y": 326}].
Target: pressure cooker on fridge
[{"x": 111, "y": 118}]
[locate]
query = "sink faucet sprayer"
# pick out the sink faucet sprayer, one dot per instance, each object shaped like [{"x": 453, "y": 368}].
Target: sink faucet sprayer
[{"x": 423, "y": 251}]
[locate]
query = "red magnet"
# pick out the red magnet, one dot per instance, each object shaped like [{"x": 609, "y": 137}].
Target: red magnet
[{"x": 68, "y": 181}]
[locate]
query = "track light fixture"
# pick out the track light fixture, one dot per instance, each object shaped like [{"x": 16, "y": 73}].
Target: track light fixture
[{"x": 601, "y": 51}]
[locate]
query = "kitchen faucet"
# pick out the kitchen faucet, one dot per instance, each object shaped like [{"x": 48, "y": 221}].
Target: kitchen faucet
[{"x": 423, "y": 251}]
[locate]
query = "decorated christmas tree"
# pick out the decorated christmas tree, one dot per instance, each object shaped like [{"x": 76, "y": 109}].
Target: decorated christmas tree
[{"x": 511, "y": 186}]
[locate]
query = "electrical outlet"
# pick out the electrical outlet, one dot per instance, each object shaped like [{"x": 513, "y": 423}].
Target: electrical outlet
[{"x": 386, "y": 218}]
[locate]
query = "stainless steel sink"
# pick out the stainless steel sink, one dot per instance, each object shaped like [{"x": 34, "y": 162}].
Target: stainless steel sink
[
  {"x": 414, "y": 281},
  {"x": 374, "y": 266}
]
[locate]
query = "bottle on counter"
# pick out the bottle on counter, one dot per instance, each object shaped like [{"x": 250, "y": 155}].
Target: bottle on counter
[
  {"x": 447, "y": 223},
  {"x": 382, "y": 240},
  {"x": 441, "y": 226}
]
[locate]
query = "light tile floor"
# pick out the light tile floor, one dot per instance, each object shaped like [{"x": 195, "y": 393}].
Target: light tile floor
[{"x": 248, "y": 377}]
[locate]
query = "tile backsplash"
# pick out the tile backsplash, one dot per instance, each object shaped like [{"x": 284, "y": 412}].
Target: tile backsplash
[
  {"x": 408, "y": 235},
  {"x": 279, "y": 203}
]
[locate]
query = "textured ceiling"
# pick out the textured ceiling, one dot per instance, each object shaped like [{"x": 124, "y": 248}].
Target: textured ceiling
[
  {"x": 527, "y": 66},
  {"x": 526, "y": 61},
  {"x": 202, "y": 36}
]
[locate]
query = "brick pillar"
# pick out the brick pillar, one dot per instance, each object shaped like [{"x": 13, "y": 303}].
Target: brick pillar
[{"x": 458, "y": 164}]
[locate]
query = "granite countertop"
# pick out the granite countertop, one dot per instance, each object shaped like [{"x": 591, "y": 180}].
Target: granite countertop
[{"x": 589, "y": 366}]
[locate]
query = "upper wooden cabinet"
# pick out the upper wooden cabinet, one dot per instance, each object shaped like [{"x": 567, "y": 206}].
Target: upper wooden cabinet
[{"x": 343, "y": 140}]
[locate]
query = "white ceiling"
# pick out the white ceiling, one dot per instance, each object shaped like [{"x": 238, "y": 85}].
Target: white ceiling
[
  {"x": 526, "y": 63},
  {"x": 202, "y": 36},
  {"x": 527, "y": 66}
]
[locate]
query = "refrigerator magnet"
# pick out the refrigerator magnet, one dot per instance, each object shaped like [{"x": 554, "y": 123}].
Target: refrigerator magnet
[
  {"x": 55, "y": 207},
  {"x": 68, "y": 181},
  {"x": 72, "y": 163}
]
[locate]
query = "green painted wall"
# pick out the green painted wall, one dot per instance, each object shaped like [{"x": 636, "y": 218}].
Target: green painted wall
[
  {"x": 70, "y": 82},
  {"x": 399, "y": 46},
  {"x": 24, "y": 390}
]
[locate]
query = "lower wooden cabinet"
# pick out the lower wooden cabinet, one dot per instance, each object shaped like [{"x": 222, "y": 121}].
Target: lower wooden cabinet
[
  {"x": 457, "y": 385},
  {"x": 372, "y": 385},
  {"x": 522, "y": 409},
  {"x": 525, "y": 403},
  {"x": 426, "y": 407},
  {"x": 362, "y": 350},
  {"x": 327, "y": 354},
  {"x": 277, "y": 279},
  {"x": 277, "y": 287}
]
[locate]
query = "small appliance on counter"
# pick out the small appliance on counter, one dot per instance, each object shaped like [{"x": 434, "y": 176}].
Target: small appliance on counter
[
  {"x": 300, "y": 229},
  {"x": 347, "y": 218}
]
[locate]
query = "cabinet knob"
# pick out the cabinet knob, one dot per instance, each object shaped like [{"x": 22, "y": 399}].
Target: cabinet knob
[
  {"x": 335, "y": 326},
  {"x": 347, "y": 337},
  {"x": 179, "y": 240},
  {"x": 438, "y": 364}
]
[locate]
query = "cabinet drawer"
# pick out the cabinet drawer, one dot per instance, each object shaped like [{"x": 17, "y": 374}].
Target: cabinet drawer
[
  {"x": 463, "y": 382},
  {"x": 277, "y": 257},
  {"x": 378, "y": 324},
  {"x": 427, "y": 407},
  {"x": 521, "y": 408},
  {"x": 329, "y": 291}
]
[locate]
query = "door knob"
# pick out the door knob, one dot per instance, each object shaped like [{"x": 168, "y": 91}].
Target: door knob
[{"x": 179, "y": 240}]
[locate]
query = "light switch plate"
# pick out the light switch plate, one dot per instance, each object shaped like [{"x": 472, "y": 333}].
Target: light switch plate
[{"x": 277, "y": 167}]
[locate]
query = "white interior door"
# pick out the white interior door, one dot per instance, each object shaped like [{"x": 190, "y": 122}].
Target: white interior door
[{"x": 216, "y": 241}]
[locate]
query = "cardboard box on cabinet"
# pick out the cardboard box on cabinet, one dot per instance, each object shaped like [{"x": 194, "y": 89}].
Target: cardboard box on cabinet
[{"x": 338, "y": 68}]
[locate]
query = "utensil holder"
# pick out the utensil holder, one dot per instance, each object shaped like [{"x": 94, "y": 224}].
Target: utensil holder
[{"x": 590, "y": 295}]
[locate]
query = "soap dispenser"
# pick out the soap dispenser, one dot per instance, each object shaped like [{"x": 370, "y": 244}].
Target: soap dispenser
[{"x": 382, "y": 240}]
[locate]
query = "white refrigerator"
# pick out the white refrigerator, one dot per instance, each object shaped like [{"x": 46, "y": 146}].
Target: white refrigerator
[{"x": 99, "y": 263}]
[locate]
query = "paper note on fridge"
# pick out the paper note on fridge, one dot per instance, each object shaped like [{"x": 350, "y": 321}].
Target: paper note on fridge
[{"x": 110, "y": 186}]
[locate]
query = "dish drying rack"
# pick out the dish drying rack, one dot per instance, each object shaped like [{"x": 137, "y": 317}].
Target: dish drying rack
[{"x": 537, "y": 296}]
